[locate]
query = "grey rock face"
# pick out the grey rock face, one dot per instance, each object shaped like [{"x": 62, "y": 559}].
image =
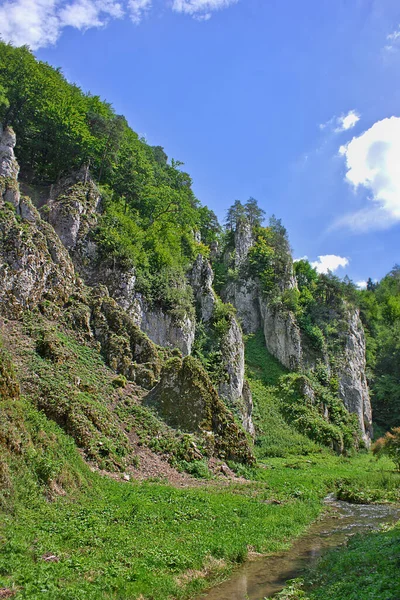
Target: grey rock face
[
  {"x": 247, "y": 398},
  {"x": 244, "y": 240},
  {"x": 161, "y": 328},
  {"x": 73, "y": 211},
  {"x": 8, "y": 163},
  {"x": 34, "y": 266},
  {"x": 244, "y": 295},
  {"x": 201, "y": 279},
  {"x": 282, "y": 336},
  {"x": 234, "y": 389},
  {"x": 285, "y": 342},
  {"x": 353, "y": 387},
  {"x": 73, "y": 206},
  {"x": 9, "y": 167},
  {"x": 231, "y": 389}
]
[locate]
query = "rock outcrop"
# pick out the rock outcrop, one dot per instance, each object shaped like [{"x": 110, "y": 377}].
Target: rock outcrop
[
  {"x": 186, "y": 399},
  {"x": 285, "y": 340},
  {"x": 9, "y": 167},
  {"x": 353, "y": 387},
  {"x": 162, "y": 327},
  {"x": 73, "y": 210},
  {"x": 201, "y": 279},
  {"x": 282, "y": 336},
  {"x": 244, "y": 292},
  {"x": 234, "y": 389},
  {"x": 37, "y": 272},
  {"x": 34, "y": 265},
  {"x": 244, "y": 295}
]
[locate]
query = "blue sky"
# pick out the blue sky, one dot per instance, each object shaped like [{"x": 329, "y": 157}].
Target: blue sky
[{"x": 252, "y": 95}]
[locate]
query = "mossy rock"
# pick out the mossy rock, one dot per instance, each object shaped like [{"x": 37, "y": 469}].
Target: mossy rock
[
  {"x": 50, "y": 347},
  {"x": 144, "y": 376},
  {"x": 124, "y": 345},
  {"x": 187, "y": 400},
  {"x": 9, "y": 386}
]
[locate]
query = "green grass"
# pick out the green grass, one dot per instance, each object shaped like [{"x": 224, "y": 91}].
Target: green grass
[
  {"x": 115, "y": 539},
  {"x": 260, "y": 364},
  {"x": 74, "y": 387},
  {"x": 126, "y": 540},
  {"x": 367, "y": 569},
  {"x": 275, "y": 437},
  {"x": 312, "y": 477},
  {"x": 121, "y": 540}
]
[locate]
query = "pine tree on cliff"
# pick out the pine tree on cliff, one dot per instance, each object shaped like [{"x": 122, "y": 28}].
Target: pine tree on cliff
[
  {"x": 255, "y": 215},
  {"x": 236, "y": 214},
  {"x": 250, "y": 213}
]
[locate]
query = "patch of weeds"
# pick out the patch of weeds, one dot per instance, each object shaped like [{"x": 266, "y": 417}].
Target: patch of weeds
[{"x": 197, "y": 468}]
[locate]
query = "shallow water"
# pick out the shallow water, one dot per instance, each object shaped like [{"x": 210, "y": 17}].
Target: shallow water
[{"x": 266, "y": 576}]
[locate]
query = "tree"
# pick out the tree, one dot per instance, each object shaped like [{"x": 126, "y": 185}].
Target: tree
[
  {"x": 389, "y": 445},
  {"x": 236, "y": 214},
  {"x": 210, "y": 228},
  {"x": 306, "y": 275},
  {"x": 254, "y": 214},
  {"x": 159, "y": 155}
]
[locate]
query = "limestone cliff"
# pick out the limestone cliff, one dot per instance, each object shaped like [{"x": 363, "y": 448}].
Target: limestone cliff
[
  {"x": 234, "y": 389},
  {"x": 285, "y": 339},
  {"x": 232, "y": 386},
  {"x": 38, "y": 277},
  {"x": 73, "y": 210},
  {"x": 34, "y": 265},
  {"x": 353, "y": 387}
]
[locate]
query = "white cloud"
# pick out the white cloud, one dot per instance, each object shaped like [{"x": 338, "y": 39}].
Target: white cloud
[
  {"x": 200, "y": 7},
  {"x": 348, "y": 121},
  {"x": 202, "y": 17},
  {"x": 39, "y": 23},
  {"x": 84, "y": 14},
  {"x": 32, "y": 22},
  {"x": 393, "y": 40},
  {"x": 138, "y": 9},
  {"x": 342, "y": 123},
  {"x": 301, "y": 258},
  {"x": 372, "y": 161},
  {"x": 327, "y": 123},
  {"x": 362, "y": 285},
  {"x": 329, "y": 262}
]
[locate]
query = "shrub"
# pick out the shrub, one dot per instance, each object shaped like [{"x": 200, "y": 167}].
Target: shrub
[
  {"x": 389, "y": 445},
  {"x": 317, "y": 413}
]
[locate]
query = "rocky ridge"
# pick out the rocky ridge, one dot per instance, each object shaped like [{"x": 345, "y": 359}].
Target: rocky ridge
[
  {"x": 38, "y": 274},
  {"x": 285, "y": 340},
  {"x": 58, "y": 243}
]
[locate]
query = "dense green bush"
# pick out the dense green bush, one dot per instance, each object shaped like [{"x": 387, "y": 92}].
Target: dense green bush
[{"x": 317, "y": 412}]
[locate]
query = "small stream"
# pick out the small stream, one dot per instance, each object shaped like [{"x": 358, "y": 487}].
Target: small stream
[{"x": 267, "y": 576}]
